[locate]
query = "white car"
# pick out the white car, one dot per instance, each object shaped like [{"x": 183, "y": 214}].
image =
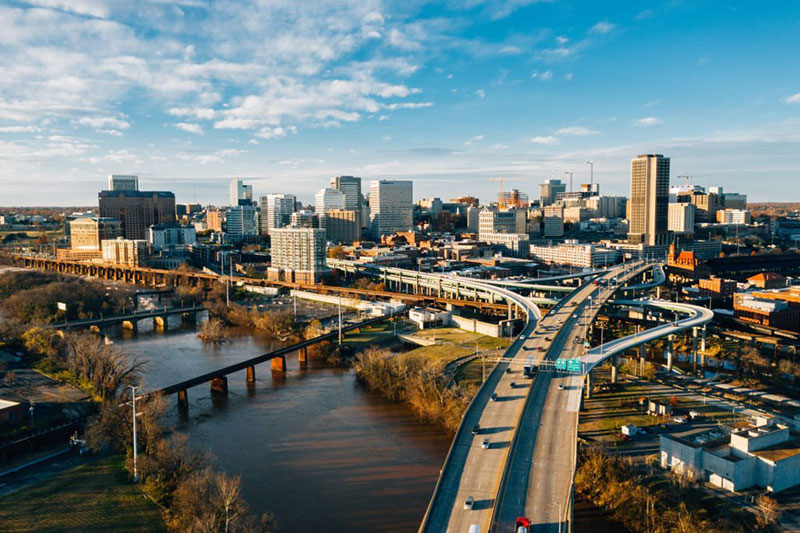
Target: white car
[
  {"x": 469, "y": 503},
  {"x": 485, "y": 443},
  {"x": 560, "y": 386}
]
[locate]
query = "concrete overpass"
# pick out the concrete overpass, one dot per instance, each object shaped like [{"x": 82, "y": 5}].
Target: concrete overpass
[{"x": 130, "y": 320}]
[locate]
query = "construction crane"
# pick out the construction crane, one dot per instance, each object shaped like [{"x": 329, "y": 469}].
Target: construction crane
[{"x": 500, "y": 202}]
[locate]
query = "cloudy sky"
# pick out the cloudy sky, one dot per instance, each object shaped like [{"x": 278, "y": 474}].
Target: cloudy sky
[{"x": 288, "y": 93}]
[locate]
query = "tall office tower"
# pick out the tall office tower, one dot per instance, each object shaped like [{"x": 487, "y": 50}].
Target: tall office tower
[
  {"x": 327, "y": 199},
  {"x": 343, "y": 225},
  {"x": 680, "y": 218},
  {"x": 350, "y": 186},
  {"x": 549, "y": 190},
  {"x": 137, "y": 210},
  {"x": 119, "y": 182},
  {"x": 649, "y": 203},
  {"x": 241, "y": 223},
  {"x": 276, "y": 211},
  {"x": 240, "y": 193},
  {"x": 298, "y": 254},
  {"x": 391, "y": 207}
]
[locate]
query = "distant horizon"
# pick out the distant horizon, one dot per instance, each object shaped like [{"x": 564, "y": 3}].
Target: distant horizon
[{"x": 287, "y": 95}]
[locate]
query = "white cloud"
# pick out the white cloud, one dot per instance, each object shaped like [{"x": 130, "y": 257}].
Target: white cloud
[
  {"x": 648, "y": 121},
  {"x": 473, "y": 140},
  {"x": 544, "y": 75},
  {"x": 794, "y": 99},
  {"x": 19, "y": 129},
  {"x": 547, "y": 140},
  {"x": 602, "y": 27},
  {"x": 103, "y": 122},
  {"x": 480, "y": 93},
  {"x": 577, "y": 130},
  {"x": 95, "y": 8},
  {"x": 190, "y": 127}
]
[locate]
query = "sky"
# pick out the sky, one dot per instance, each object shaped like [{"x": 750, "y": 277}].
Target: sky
[{"x": 286, "y": 94}]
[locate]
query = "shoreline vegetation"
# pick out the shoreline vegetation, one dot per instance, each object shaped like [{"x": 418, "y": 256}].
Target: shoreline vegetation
[{"x": 180, "y": 479}]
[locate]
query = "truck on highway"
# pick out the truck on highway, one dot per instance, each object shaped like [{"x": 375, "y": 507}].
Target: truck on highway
[
  {"x": 528, "y": 369},
  {"x": 522, "y": 525}
]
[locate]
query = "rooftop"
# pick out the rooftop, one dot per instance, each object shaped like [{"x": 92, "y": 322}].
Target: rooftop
[{"x": 780, "y": 451}]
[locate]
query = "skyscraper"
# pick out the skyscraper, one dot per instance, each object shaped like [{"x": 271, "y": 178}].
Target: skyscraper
[
  {"x": 276, "y": 211},
  {"x": 649, "y": 203},
  {"x": 137, "y": 210},
  {"x": 239, "y": 192},
  {"x": 241, "y": 223},
  {"x": 118, "y": 182},
  {"x": 391, "y": 207},
  {"x": 351, "y": 187},
  {"x": 548, "y": 191}
]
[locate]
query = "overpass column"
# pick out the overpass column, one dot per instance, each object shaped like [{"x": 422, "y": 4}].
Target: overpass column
[
  {"x": 703, "y": 347},
  {"x": 613, "y": 369},
  {"x": 670, "y": 349},
  {"x": 302, "y": 355},
  {"x": 694, "y": 350},
  {"x": 642, "y": 358},
  {"x": 588, "y": 385}
]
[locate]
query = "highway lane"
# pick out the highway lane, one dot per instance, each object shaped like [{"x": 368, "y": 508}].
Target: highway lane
[{"x": 538, "y": 482}]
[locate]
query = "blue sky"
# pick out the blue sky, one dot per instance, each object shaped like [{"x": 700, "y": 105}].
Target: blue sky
[{"x": 286, "y": 94}]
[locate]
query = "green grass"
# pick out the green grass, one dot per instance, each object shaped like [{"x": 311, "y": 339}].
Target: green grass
[
  {"x": 460, "y": 336},
  {"x": 444, "y": 352},
  {"x": 96, "y": 496}
]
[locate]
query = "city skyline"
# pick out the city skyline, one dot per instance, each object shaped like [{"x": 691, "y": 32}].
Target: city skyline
[{"x": 418, "y": 91}]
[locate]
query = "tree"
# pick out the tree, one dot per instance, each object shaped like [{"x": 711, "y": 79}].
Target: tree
[
  {"x": 337, "y": 252},
  {"x": 769, "y": 512}
]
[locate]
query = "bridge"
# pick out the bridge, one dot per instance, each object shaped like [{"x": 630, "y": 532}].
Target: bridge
[
  {"x": 218, "y": 378},
  {"x": 130, "y": 320}
]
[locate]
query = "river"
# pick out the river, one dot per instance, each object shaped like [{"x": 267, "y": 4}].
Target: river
[{"x": 313, "y": 446}]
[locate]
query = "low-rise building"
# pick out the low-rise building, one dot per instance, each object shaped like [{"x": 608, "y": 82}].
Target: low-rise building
[
  {"x": 765, "y": 312},
  {"x": 717, "y": 288},
  {"x": 766, "y": 456},
  {"x": 428, "y": 317},
  {"x": 574, "y": 254},
  {"x": 516, "y": 244}
]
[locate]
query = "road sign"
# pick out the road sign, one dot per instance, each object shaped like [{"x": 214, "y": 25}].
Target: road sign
[
  {"x": 561, "y": 364},
  {"x": 61, "y": 306},
  {"x": 574, "y": 365}
]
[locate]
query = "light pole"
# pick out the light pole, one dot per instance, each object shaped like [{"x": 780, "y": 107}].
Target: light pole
[
  {"x": 33, "y": 404},
  {"x": 340, "y": 319},
  {"x": 135, "y": 465},
  {"x": 591, "y": 175},
  {"x": 559, "y": 515}
]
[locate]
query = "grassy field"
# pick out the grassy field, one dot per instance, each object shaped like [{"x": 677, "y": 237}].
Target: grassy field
[
  {"x": 96, "y": 496},
  {"x": 459, "y": 336}
]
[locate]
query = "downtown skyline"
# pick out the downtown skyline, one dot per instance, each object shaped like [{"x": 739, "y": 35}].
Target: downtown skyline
[{"x": 190, "y": 94}]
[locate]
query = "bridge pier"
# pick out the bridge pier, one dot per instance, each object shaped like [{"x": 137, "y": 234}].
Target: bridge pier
[
  {"x": 694, "y": 350},
  {"x": 251, "y": 375},
  {"x": 589, "y": 385},
  {"x": 183, "y": 399},
  {"x": 613, "y": 369},
  {"x": 302, "y": 355},
  {"x": 670, "y": 350},
  {"x": 189, "y": 318},
  {"x": 94, "y": 329},
  {"x": 278, "y": 364},
  {"x": 219, "y": 386},
  {"x": 160, "y": 322},
  {"x": 132, "y": 325}
]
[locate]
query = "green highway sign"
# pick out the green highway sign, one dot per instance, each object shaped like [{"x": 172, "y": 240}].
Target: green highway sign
[
  {"x": 561, "y": 364},
  {"x": 574, "y": 365}
]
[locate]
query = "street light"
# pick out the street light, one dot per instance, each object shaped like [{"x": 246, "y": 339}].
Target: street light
[{"x": 559, "y": 515}]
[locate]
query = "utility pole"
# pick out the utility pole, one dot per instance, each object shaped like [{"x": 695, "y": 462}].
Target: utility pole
[
  {"x": 135, "y": 465},
  {"x": 570, "y": 179},
  {"x": 340, "y": 319}
]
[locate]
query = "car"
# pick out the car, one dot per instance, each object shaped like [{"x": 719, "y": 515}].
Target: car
[
  {"x": 575, "y": 315},
  {"x": 522, "y": 337},
  {"x": 548, "y": 338},
  {"x": 476, "y": 429},
  {"x": 560, "y": 386},
  {"x": 493, "y": 397},
  {"x": 485, "y": 443},
  {"x": 469, "y": 503},
  {"x": 508, "y": 370},
  {"x": 513, "y": 385}
]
